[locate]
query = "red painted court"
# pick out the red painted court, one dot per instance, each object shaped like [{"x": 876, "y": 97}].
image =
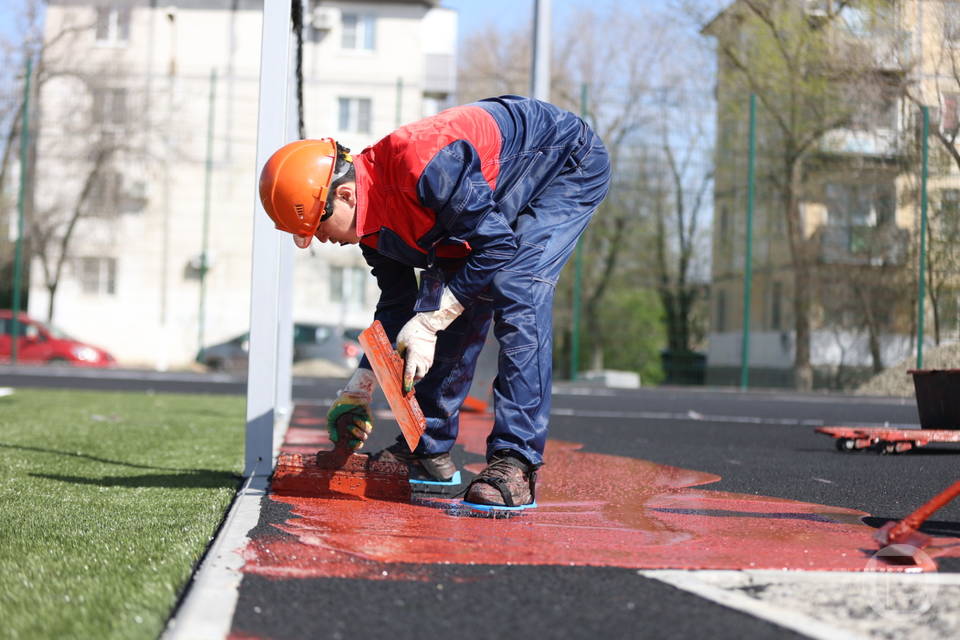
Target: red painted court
[{"x": 635, "y": 514}]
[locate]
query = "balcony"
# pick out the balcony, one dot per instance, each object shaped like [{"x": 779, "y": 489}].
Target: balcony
[
  {"x": 879, "y": 246},
  {"x": 881, "y": 47},
  {"x": 440, "y": 73},
  {"x": 880, "y": 142}
]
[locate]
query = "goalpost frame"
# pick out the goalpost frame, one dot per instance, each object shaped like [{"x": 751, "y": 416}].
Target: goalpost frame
[{"x": 269, "y": 379}]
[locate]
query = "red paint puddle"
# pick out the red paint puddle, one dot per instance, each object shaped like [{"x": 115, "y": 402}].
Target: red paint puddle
[{"x": 595, "y": 510}]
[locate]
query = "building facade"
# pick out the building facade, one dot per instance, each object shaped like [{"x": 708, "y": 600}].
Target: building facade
[
  {"x": 147, "y": 142},
  {"x": 857, "y": 196}
]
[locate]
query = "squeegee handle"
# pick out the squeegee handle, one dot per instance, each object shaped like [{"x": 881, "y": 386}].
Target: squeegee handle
[{"x": 913, "y": 521}]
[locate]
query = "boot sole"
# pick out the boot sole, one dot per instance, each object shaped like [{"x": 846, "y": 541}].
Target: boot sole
[
  {"x": 498, "y": 507},
  {"x": 454, "y": 481}
]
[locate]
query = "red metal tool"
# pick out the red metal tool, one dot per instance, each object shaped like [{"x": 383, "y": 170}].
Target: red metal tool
[
  {"x": 388, "y": 367},
  {"x": 887, "y": 440},
  {"x": 907, "y": 531}
]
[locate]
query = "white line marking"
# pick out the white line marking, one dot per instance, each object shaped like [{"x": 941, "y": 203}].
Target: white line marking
[
  {"x": 700, "y": 417},
  {"x": 795, "y": 621},
  {"x": 833, "y": 604},
  {"x": 207, "y": 610}
]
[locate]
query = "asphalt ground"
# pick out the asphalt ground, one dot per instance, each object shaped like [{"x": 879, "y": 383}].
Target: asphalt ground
[{"x": 758, "y": 443}]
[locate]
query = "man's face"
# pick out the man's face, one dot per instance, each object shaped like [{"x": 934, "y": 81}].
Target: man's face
[{"x": 341, "y": 227}]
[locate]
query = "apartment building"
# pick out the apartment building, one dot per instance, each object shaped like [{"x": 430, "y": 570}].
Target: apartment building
[
  {"x": 148, "y": 127},
  {"x": 857, "y": 197}
]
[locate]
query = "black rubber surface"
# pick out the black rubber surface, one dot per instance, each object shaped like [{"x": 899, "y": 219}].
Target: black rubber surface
[
  {"x": 760, "y": 443},
  {"x": 483, "y": 602}
]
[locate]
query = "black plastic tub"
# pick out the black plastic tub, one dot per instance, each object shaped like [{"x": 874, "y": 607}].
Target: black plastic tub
[{"x": 938, "y": 397}]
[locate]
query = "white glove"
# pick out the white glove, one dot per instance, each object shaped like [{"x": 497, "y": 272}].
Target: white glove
[
  {"x": 350, "y": 413},
  {"x": 417, "y": 340}
]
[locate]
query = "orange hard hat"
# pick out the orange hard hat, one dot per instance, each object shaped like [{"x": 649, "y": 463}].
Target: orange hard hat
[{"x": 294, "y": 184}]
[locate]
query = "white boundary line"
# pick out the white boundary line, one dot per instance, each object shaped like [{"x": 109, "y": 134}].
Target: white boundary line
[
  {"x": 724, "y": 587},
  {"x": 207, "y": 610},
  {"x": 694, "y": 416},
  {"x": 798, "y": 622}
]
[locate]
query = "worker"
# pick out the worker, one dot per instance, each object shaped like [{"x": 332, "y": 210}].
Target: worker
[{"x": 488, "y": 200}]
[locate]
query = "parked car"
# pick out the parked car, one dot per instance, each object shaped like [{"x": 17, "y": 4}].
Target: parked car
[
  {"x": 41, "y": 343},
  {"x": 310, "y": 342}
]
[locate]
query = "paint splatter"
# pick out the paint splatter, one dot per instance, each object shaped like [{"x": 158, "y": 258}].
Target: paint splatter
[{"x": 623, "y": 513}]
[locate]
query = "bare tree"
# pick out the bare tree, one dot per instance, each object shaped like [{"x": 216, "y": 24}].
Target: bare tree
[
  {"x": 614, "y": 56},
  {"x": 943, "y": 232},
  {"x": 810, "y": 76},
  {"x": 685, "y": 108},
  {"x": 89, "y": 105},
  {"x": 21, "y": 43}
]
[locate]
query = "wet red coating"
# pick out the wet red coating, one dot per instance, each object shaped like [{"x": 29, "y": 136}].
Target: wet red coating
[{"x": 634, "y": 514}]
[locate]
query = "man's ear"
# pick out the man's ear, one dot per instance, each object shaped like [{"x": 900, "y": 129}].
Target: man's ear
[{"x": 347, "y": 192}]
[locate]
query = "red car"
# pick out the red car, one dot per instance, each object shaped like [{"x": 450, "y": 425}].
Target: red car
[{"x": 42, "y": 344}]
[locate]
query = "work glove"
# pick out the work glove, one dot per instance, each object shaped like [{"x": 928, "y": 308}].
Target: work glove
[
  {"x": 417, "y": 340},
  {"x": 350, "y": 413}
]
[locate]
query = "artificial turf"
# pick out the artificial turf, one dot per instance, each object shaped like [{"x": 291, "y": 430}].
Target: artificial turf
[{"x": 107, "y": 501}]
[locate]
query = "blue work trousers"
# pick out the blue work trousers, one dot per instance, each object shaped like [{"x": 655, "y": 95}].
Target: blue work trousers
[{"x": 519, "y": 302}]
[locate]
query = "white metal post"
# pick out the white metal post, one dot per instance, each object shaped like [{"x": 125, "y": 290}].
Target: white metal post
[
  {"x": 540, "y": 77},
  {"x": 265, "y": 282},
  {"x": 284, "y": 390}
]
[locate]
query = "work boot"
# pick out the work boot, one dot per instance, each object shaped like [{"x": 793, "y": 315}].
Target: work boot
[
  {"x": 436, "y": 467},
  {"x": 509, "y": 481}
]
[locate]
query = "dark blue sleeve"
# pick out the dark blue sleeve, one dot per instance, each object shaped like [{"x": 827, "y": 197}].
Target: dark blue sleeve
[
  {"x": 398, "y": 293},
  {"x": 453, "y": 186}
]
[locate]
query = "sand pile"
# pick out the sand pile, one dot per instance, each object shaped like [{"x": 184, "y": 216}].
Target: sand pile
[{"x": 895, "y": 381}]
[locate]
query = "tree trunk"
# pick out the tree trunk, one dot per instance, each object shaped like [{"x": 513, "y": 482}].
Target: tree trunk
[
  {"x": 865, "y": 294},
  {"x": 935, "y": 307},
  {"x": 802, "y": 370},
  {"x": 800, "y": 250},
  {"x": 52, "y": 289},
  {"x": 592, "y": 304}
]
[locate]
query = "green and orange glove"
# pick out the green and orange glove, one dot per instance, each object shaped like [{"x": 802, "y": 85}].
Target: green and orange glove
[{"x": 350, "y": 414}]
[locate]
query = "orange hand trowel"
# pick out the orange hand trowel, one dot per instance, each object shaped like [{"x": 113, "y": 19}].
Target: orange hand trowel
[
  {"x": 341, "y": 472},
  {"x": 388, "y": 367}
]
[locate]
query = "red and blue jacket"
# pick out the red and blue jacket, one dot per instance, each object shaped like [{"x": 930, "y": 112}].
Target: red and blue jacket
[{"x": 448, "y": 190}]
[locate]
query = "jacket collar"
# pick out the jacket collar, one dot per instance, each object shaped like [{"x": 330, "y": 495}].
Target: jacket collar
[{"x": 367, "y": 220}]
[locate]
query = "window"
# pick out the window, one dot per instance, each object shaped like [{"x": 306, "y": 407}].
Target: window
[
  {"x": 721, "y": 312},
  {"x": 113, "y": 25},
  {"x": 856, "y": 20},
  {"x": 950, "y": 113},
  {"x": 950, "y": 202},
  {"x": 98, "y": 275},
  {"x": 949, "y": 311},
  {"x": 776, "y": 306},
  {"x": 359, "y": 31},
  {"x": 863, "y": 22},
  {"x": 348, "y": 285},
  {"x": 109, "y": 106},
  {"x": 310, "y": 334},
  {"x": 951, "y": 25},
  {"x": 354, "y": 114},
  {"x": 949, "y": 214},
  {"x": 871, "y": 113},
  {"x": 105, "y": 193},
  {"x": 859, "y": 205}
]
